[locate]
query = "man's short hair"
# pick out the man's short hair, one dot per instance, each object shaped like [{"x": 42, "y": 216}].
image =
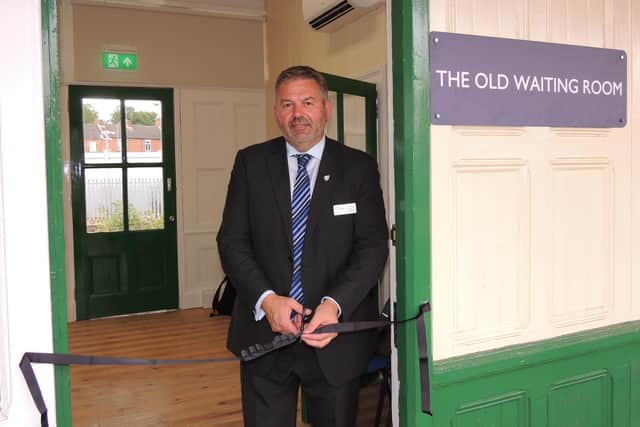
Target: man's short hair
[{"x": 303, "y": 72}]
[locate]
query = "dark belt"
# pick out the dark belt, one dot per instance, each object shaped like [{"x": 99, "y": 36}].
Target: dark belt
[{"x": 253, "y": 352}]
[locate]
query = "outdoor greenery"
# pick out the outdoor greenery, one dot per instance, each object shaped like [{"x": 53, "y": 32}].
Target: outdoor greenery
[
  {"x": 89, "y": 113},
  {"x": 147, "y": 118},
  {"x": 113, "y": 220}
]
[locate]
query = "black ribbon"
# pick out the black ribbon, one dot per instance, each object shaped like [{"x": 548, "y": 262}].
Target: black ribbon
[
  {"x": 423, "y": 354},
  {"x": 257, "y": 351}
]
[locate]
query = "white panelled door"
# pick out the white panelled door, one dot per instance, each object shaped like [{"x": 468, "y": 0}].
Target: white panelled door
[
  {"x": 532, "y": 226},
  {"x": 214, "y": 124}
]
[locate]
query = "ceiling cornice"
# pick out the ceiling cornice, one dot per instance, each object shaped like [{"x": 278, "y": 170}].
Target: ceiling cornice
[{"x": 181, "y": 6}]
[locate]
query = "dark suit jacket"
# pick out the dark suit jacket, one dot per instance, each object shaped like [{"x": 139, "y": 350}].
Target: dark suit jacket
[{"x": 343, "y": 255}]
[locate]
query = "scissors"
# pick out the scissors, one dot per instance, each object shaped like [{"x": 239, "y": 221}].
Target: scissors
[{"x": 306, "y": 318}]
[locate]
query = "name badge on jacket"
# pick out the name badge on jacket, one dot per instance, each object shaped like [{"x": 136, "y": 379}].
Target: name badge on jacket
[{"x": 345, "y": 209}]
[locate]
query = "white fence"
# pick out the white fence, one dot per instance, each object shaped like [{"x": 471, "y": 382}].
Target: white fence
[{"x": 103, "y": 197}]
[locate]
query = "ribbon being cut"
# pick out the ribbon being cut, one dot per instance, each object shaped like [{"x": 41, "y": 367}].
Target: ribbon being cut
[{"x": 253, "y": 352}]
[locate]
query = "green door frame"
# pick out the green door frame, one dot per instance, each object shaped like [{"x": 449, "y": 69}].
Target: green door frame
[
  {"x": 344, "y": 85},
  {"x": 412, "y": 121},
  {"x": 55, "y": 205}
]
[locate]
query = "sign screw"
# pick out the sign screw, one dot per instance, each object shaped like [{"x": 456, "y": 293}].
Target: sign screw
[
  {"x": 436, "y": 40},
  {"x": 437, "y": 115}
]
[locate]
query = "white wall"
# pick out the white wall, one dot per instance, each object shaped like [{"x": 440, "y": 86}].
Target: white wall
[{"x": 25, "y": 302}]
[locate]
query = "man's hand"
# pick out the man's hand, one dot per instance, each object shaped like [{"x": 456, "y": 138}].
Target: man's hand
[
  {"x": 325, "y": 314},
  {"x": 278, "y": 310}
]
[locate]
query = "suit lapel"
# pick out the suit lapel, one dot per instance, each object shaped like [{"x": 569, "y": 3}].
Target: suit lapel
[
  {"x": 279, "y": 172},
  {"x": 323, "y": 188}
]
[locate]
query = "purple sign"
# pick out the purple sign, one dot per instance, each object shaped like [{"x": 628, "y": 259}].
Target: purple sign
[{"x": 505, "y": 82}]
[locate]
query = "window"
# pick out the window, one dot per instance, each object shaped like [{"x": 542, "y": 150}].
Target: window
[{"x": 147, "y": 145}]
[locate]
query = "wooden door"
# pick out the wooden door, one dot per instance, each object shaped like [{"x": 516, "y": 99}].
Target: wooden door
[
  {"x": 214, "y": 125},
  {"x": 520, "y": 237},
  {"x": 124, "y": 205}
]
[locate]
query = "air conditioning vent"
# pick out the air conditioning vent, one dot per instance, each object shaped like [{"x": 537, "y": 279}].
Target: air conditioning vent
[{"x": 331, "y": 15}]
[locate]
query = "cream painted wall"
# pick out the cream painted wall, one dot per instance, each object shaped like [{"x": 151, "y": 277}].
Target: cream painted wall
[
  {"x": 173, "y": 49},
  {"x": 352, "y": 51}
]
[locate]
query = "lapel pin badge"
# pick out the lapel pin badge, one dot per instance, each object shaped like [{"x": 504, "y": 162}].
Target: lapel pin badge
[{"x": 326, "y": 178}]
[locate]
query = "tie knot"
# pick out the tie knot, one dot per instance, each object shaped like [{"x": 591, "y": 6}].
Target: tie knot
[{"x": 303, "y": 159}]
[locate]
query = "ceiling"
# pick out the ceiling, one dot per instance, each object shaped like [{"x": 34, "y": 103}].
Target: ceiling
[
  {"x": 230, "y": 8},
  {"x": 237, "y": 4}
]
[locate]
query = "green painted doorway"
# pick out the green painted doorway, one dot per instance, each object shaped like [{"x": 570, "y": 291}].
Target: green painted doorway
[
  {"x": 123, "y": 198},
  {"x": 354, "y": 121},
  {"x": 585, "y": 378}
]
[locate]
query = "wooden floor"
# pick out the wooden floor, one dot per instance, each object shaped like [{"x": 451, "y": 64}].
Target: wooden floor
[{"x": 179, "y": 395}]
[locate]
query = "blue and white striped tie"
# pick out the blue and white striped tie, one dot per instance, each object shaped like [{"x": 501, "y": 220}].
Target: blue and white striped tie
[{"x": 300, "y": 203}]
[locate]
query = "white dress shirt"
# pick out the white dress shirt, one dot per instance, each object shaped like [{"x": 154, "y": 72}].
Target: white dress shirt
[{"x": 312, "y": 169}]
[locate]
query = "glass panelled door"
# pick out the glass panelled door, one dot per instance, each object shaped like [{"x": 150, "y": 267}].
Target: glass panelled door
[
  {"x": 123, "y": 200},
  {"x": 354, "y": 119}
]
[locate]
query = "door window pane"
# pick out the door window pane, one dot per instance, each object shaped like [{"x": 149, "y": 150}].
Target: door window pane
[
  {"x": 103, "y": 200},
  {"x": 144, "y": 131},
  {"x": 355, "y": 128},
  {"x": 332, "y": 124},
  {"x": 145, "y": 191},
  {"x": 101, "y": 130}
]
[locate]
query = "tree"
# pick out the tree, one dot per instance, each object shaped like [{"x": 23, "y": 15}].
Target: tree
[
  {"x": 89, "y": 113},
  {"x": 115, "y": 116},
  {"x": 147, "y": 118}
]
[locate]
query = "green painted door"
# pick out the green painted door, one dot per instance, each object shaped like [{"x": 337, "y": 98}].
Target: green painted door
[
  {"x": 123, "y": 197},
  {"x": 585, "y": 379}
]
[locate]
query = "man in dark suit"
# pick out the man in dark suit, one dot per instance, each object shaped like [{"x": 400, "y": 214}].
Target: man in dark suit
[{"x": 303, "y": 229}]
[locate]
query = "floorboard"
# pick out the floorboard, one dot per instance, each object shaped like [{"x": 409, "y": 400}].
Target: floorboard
[{"x": 179, "y": 395}]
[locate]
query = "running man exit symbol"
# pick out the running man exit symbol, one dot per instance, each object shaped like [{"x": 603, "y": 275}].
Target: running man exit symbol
[
  {"x": 112, "y": 60},
  {"x": 119, "y": 61}
]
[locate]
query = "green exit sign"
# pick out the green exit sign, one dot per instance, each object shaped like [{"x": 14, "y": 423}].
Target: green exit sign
[{"x": 119, "y": 61}]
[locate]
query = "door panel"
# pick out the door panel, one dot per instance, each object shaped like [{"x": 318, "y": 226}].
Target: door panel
[
  {"x": 531, "y": 225},
  {"x": 123, "y": 201},
  {"x": 355, "y": 121},
  {"x": 214, "y": 125}
]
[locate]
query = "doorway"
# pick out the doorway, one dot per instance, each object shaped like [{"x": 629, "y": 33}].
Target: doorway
[
  {"x": 123, "y": 198},
  {"x": 185, "y": 249}
]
